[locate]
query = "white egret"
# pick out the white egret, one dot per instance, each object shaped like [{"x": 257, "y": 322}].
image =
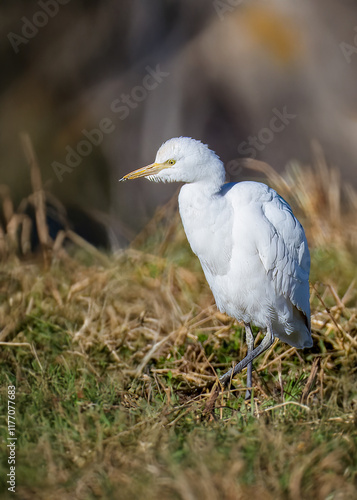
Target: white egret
[{"x": 252, "y": 249}]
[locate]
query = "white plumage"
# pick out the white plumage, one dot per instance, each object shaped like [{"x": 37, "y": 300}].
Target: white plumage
[{"x": 252, "y": 249}]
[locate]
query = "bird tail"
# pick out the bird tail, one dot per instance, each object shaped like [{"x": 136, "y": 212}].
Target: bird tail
[{"x": 297, "y": 332}]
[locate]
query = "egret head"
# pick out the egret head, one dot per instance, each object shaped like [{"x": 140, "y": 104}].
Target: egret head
[{"x": 182, "y": 159}]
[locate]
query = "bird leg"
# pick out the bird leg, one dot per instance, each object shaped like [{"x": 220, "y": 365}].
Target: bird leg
[
  {"x": 263, "y": 346},
  {"x": 250, "y": 343}
]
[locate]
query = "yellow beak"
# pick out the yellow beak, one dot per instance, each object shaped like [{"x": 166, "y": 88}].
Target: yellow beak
[{"x": 152, "y": 169}]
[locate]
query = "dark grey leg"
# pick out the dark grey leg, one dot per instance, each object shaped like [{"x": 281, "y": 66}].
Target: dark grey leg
[
  {"x": 250, "y": 343},
  {"x": 263, "y": 346}
]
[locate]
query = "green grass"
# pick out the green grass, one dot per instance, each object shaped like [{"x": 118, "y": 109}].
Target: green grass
[{"x": 114, "y": 370}]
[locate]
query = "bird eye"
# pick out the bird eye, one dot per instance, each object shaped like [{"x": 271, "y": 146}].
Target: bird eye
[{"x": 171, "y": 162}]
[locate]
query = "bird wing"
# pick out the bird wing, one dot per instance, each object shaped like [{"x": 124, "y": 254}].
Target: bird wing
[{"x": 283, "y": 250}]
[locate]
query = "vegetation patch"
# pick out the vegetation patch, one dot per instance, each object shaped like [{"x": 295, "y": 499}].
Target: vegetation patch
[{"x": 114, "y": 359}]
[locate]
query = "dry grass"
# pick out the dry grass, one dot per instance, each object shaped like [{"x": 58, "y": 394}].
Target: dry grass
[{"x": 113, "y": 358}]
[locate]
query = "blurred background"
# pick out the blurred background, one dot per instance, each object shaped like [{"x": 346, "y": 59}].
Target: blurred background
[{"x": 99, "y": 85}]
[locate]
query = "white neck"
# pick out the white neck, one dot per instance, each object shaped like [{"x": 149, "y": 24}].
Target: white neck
[{"x": 201, "y": 207}]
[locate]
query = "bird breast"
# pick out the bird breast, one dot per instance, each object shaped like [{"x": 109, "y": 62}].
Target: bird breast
[{"x": 208, "y": 224}]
